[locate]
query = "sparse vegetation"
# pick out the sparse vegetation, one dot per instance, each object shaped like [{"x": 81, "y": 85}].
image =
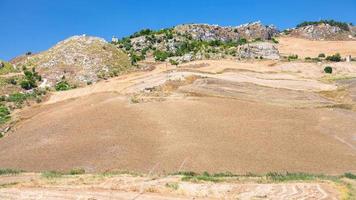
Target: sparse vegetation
[
  {"x": 274, "y": 40},
  {"x": 8, "y": 171}
]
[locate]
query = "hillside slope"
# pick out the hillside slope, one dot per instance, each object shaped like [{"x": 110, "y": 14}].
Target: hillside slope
[{"x": 78, "y": 59}]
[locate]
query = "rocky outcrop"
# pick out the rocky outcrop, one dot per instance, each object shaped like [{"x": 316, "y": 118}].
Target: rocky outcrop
[
  {"x": 323, "y": 31},
  {"x": 208, "y": 32},
  {"x": 80, "y": 59},
  {"x": 259, "y": 50}
]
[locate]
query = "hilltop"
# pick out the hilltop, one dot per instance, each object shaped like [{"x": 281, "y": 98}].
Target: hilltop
[
  {"x": 78, "y": 59},
  {"x": 184, "y": 43},
  {"x": 324, "y": 30}
]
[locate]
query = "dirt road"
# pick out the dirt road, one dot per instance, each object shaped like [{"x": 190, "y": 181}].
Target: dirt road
[{"x": 171, "y": 187}]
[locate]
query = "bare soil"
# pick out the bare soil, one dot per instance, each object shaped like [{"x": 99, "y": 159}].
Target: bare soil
[{"x": 33, "y": 186}]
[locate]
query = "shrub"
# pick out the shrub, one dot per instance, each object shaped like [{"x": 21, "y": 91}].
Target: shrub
[
  {"x": 173, "y": 62},
  {"x": 77, "y": 171},
  {"x": 335, "y": 58},
  {"x": 136, "y": 58},
  {"x": 18, "y": 98},
  {"x": 274, "y": 40},
  {"x": 350, "y": 175},
  {"x": 257, "y": 40},
  {"x": 27, "y": 85},
  {"x": 292, "y": 57},
  {"x": 321, "y": 55},
  {"x": 51, "y": 174},
  {"x": 160, "y": 55},
  {"x": 4, "y": 115},
  {"x": 62, "y": 86},
  {"x": 328, "y": 69},
  {"x": 30, "y": 79}
]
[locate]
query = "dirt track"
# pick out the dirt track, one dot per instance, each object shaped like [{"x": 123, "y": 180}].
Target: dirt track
[{"x": 128, "y": 187}]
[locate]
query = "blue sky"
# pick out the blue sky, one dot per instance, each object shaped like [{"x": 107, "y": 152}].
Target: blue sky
[{"x": 37, "y": 25}]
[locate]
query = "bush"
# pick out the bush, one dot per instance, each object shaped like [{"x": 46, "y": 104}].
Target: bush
[
  {"x": 292, "y": 57},
  {"x": 328, "y": 69},
  {"x": 4, "y": 114},
  {"x": 275, "y": 41},
  {"x": 136, "y": 58},
  {"x": 77, "y": 171},
  {"x": 62, "y": 86},
  {"x": 51, "y": 174},
  {"x": 321, "y": 55},
  {"x": 350, "y": 175},
  {"x": 30, "y": 79},
  {"x": 160, "y": 55},
  {"x": 27, "y": 84},
  {"x": 173, "y": 62},
  {"x": 334, "y": 58}
]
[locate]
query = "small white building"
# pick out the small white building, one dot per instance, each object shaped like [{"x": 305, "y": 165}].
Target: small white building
[{"x": 348, "y": 58}]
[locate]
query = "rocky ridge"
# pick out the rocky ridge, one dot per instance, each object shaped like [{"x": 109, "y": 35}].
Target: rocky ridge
[
  {"x": 189, "y": 42},
  {"x": 324, "y": 31}
]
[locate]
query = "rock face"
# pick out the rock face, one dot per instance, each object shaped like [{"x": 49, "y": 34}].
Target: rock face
[
  {"x": 258, "y": 50},
  {"x": 208, "y": 32},
  {"x": 323, "y": 32},
  {"x": 80, "y": 59}
]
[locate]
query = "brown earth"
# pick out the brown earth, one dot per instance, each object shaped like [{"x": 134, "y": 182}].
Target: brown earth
[
  {"x": 245, "y": 116},
  {"x": 309, "y": 48}
]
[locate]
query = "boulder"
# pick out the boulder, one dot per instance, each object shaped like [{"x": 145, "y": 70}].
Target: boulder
[{"x": 265, "y": 50}]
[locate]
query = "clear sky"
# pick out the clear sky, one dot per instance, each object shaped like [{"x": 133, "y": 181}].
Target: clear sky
[{"x": 36, "y": 25}]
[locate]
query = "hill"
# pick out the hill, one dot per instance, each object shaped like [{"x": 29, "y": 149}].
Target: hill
[
  {"x": 187, "y": 42},
  {"x": 324, "y": 30},
  {"x": 78, "y": 59}
]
